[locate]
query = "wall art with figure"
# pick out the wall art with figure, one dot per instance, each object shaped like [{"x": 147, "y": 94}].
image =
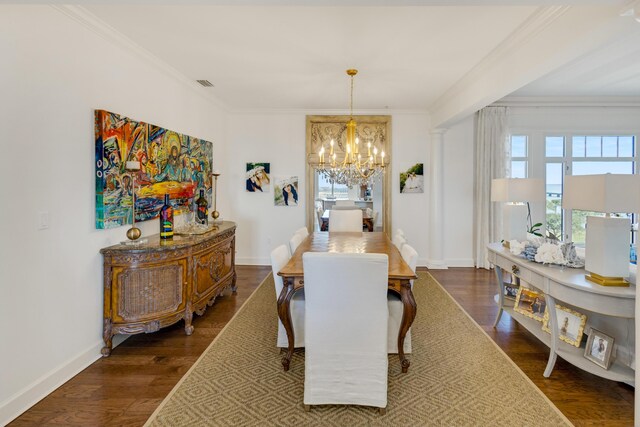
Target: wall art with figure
[
  {"x": 170, "y": 163},
  {"x": 285, "y": 191},
  {"x": 258, "y": 178},
  {"x": 412, "y": 180}
]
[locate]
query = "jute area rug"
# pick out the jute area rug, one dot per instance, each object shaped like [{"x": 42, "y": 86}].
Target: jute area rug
[{"x": 458, "y": 377}]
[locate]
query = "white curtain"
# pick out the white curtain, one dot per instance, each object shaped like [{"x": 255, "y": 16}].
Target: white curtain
[{"x": 492, "y": 154}]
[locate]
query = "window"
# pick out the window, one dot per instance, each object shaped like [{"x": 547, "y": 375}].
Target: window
[
  {"x": 519, "y": 156},
  {"x": 329, "y": 190},
  {"x": 585, "y": 155}
]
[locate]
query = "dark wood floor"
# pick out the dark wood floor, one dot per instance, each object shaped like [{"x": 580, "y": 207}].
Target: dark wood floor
[{"x": 126, "y": 388}]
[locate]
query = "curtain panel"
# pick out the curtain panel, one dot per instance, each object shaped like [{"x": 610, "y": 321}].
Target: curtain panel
[{"x": 492, "y": 154}]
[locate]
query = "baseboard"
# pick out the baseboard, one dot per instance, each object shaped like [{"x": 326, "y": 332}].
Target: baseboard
[
  {"x": 460, "y": 262},
  {"x": 253, "y": 261},
  {"x": 437, "y": 264},
  {"x": 39, "y": 389}
]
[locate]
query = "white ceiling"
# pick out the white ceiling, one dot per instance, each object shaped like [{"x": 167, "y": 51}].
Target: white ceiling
[
  {"x": 294, "y": 57},
  {"x": 613, "y": 70}
]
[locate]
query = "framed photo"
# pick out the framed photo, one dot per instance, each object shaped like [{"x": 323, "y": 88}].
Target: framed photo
[
  {"x": 599, "y": 347},
  {"x": 570, "y": 324},
  {"x": 285, "y": 191},
  {"x": 412, "y": 180},
  {"x": 511, "y": 290},
  {"x": 530, "y": 303},
  {"x": 258, "y": 178}
]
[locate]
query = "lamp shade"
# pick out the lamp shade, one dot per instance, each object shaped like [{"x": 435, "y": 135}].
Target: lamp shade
[
  {"x": 605, "y": 193},
  {"x": 517, "y": 190}
]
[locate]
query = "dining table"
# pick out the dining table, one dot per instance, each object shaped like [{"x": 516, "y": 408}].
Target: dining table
[{"x": 400, "y": 276}]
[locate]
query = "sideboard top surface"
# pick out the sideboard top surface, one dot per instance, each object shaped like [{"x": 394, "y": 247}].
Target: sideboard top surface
[
  {"x": 154, "y": 243},
  {"x": 571, "y": 277}
]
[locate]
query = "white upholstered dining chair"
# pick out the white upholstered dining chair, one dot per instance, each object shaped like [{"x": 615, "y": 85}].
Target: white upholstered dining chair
[
  {"x": 345, "y": 329},
  {"x": 398, "y": 240},
  {"x": 396, "y": 308},
  {"x": 302, "y": 231},
  {"x": 345, "y": 220},
  {"x": 279, "y": 258},
  {"x": 295, "y": 241}
]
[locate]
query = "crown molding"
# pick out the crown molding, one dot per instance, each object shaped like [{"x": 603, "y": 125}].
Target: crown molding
[
  {"x": 568, "y": 101},
  {"x": 329, "y": 112},
  {"x": 107, "y": 32}
]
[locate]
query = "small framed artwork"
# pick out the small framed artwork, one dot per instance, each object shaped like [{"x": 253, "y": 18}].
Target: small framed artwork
[
  {"x": 285, "y": 191},
  {"x": 511, "y": 290},
  {"x": 570, "y": 324},
  {"x": 599, "y": 347},
  {"x": 412, "y": 180},
  {"x": 530, "y": 303},
  {"x": 258, "y": 178}
]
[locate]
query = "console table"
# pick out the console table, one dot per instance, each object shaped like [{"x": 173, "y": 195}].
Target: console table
[
  {"x": 569, "y": 286},
  {"x": 157, "y": 283}
]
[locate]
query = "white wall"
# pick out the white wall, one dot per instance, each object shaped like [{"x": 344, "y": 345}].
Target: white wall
[
  {"x": 280, "y": 140},
  {"x": 458, "y": 194},
  {"x": 55, "y": 72}
]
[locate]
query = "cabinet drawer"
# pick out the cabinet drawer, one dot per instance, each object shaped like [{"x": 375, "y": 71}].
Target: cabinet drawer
[{"x": 520, "y": 271}]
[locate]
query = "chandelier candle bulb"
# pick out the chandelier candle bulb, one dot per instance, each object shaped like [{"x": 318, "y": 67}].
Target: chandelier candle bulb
[
  {"x": 331, "y": 153},
  {"x": 369, "y": 149}
]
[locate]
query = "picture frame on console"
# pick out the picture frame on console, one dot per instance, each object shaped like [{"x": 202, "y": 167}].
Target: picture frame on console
[
  {"x": 599, "y": 348},
  {"x": 570, "y": 324},
  {"x": 530, "y": 303},
  {"x": 511, "y": 290}
]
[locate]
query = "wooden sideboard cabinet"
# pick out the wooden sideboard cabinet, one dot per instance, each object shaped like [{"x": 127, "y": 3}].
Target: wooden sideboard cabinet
[{"x": 157, "y": 283}]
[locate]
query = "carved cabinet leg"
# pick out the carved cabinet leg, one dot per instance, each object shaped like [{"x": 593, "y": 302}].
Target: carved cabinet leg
[
  {"x": 107, "y": 336},
  {"x": 188, "y": 317},
  {"x": 234, "y": 287}
]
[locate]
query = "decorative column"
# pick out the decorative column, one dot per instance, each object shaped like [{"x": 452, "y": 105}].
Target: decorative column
[{"x": 436, "y": 201}]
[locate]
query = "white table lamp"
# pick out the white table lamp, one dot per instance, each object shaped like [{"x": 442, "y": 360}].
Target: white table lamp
[
  {"x": 608, "y": 238},
  {"x": 517, "y": 192}
]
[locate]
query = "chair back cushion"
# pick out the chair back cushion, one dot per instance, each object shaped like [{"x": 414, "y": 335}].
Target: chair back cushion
[
  {"x": 399, "y": 241},
  {"x": 410, "y": 256},
  {"x": 345, "y": 208},
  {"x": 295, "y": 241},
  {"x": 345, "y": 220},
  {"x": 279, "y": 258},
  {"x": 346, "y": 320},
  {"x": 302, "y": 231}
]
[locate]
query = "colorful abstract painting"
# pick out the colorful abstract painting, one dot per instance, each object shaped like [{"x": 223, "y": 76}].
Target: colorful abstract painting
[
  {"x": 170, "y": 163},
  {"x": 285, "y": 191},
  {"x": 257, "y": 177}
]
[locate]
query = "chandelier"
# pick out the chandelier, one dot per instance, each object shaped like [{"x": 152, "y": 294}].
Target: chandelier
[{"x": 354, "y": 167}]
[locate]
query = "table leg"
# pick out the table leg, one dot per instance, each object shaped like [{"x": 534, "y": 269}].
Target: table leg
[
  {"x": 369, "y": 224},
  {"x": 553, "y": 325},
  {"x": 408, "y": 314},
  {"x": 499, "y": 279},
  {"x": 285, "y": 317}
]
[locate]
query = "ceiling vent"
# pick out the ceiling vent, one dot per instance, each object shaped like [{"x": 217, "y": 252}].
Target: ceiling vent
[{"x": 205, "y": 83}]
